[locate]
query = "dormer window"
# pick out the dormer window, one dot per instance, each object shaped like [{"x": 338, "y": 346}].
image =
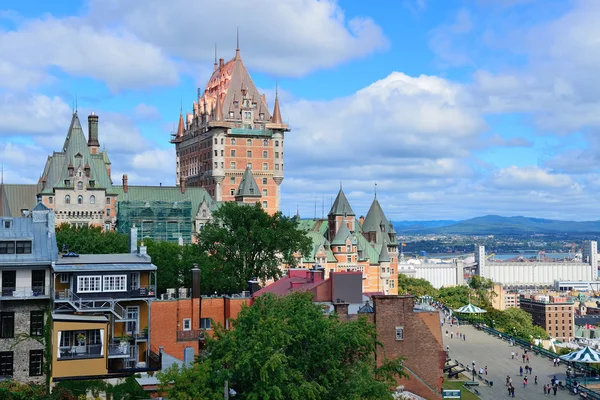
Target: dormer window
[
  {"x": 253, "y": 105},
  {"x": 71, "y": 171},
  {"x": 230, "y": 114},
  {"x": 251, "y": 190},
  {"x": 236, "y": 103},
  {"x": 79, "y": 185},
  {"x": 92, "y": 183},
  {"x": 247, "y": 114},
  {"x": 246, "y": 103},
  {"x": 67, "y": 182},
  {"x": 7, "y": 224},
  {"x": 261, "y": 116}
]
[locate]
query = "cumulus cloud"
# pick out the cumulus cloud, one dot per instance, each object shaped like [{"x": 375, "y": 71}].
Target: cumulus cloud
[
  {"x": 274, "y": 35},
  {"x": 530, "y": 178},
  {"x": 155, "y": 160}
]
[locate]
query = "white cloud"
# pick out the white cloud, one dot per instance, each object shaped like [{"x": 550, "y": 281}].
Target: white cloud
[
  {"x": 531, "y": 178},
  {"x": 32, "y": 114},
  {"x": 155, "y": 160},
  {"x": 289, "y": 38},
  {"x": 443, "y": 41}
]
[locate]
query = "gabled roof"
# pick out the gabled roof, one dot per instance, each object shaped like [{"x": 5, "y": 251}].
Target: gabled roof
[
  {"x": 341, "y": 206},
  {"x": 341, "y": 236},
  {"x": 248, "y": 186}
]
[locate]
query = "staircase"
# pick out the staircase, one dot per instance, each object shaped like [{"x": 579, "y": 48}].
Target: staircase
[{"x": 92, "y": 305}]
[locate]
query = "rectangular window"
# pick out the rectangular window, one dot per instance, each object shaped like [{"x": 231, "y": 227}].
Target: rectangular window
[
  {"x": 265, "y": 166},
  {"x": 36, "y": 358},
  {"x": 50, "y": 200},
  {"x": 89, "y": 284},
  {"x": 349, "y": 259},
  {"x": 205, "y": 323},
  {"x": 392, "y": 284},
  {"x": 233, "y": 165},
  {"x": 38, "y": 281},
  {"x": 7, "y": 325},
  {"x": 64, "y": 278},
  {"x": 249, "y": 153},
  {"x": 36, "y": 323},
  {"x": 276, "y": 167},
  {"x": 232, "y": 179},
  {"x": 276, "y": 154},
  {"x": 133, "y": 313},
  {"x": 6, "y": 363},
  {"x": 265, "y": 204},
  {"x": 264, "y": 181},
  {"x": 265, "y": 154},
  {"x": 187, "y": 324},
  {"x": 232, "y": 153},
  {"x": 7, "y": 247},
  {"x": 264, "y": 192},
  {"x": 399, "y": 333},
  {"x": 134, "y": 279},
  {"x": 115, "y": 283},
  {"x": 108, "y": 200},
  {"x": 65, "y": 339},
  {"x": 233, "y": 141}
]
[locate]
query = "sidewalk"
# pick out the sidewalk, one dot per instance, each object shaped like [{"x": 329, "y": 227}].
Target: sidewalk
[{"x": 485, "y": 349}]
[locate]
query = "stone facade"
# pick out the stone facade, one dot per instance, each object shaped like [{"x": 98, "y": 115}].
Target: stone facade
[{"x": 22, "y": 343}]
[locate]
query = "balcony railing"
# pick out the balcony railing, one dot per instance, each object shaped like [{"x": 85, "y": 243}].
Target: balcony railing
[
  {"x": 118, "y": 350},
  {"x": 24, "y": 292},
  {"x": 143, "y": 291},
  {"x": 194, "y": 334},
  {"x": 80, "y": 352}
]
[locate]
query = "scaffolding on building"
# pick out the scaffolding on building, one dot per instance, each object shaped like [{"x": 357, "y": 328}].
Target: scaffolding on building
[{"x": 157, "y": 220}]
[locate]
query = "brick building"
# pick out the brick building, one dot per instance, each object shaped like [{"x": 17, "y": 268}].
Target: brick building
[
  {"x": 229, "y": 131},
  {"x": 182, "y": 318},
  {"x": 556, "y": 314},
  {"x": 344, "y": 243},
  {"x": 503, "y": 298}
]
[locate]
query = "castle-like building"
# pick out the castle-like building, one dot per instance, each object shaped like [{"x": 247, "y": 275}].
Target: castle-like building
[
  {"x": 343, "y": 243},
  {"x": 231, "y": 144}
]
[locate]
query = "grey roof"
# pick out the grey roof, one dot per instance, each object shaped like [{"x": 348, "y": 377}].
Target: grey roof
[
  {"x": 341, "y": 206},
  {"x": 248, "y": 186},
  {"x": 375, "y": 217},
  {"x": 103, "y": 267},
  {"x": 167, "y": 361},
  {"x": 79, "y": 318},
  {"x": 384, "y": 256},
  {"x": 16, "y": 197},
  {"x": 39, "y": 228},
  {"x": 342, "y": 234}
]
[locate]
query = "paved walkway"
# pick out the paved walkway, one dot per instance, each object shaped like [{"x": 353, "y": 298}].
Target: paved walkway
[{"x": 495, "y": 353}]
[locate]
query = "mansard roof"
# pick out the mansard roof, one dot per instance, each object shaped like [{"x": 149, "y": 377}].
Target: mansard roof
[
  {"x": 341, "y": 206},
  {"x": 248, "y": 186}
]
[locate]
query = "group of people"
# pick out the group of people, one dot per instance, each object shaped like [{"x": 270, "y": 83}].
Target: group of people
[
  {"x": 551, "y": 387},
  {"x": 528, "y": 370},
  {"x": 459, "y": 335},
  {"x": 556, "y": 362}
]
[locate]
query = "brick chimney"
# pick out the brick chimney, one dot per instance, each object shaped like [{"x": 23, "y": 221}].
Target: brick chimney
[
  {"x": 182, "y": 185},
  {"x": 125, "y": 186},
  {"x": 362, "y": 219},
  {"x": 221, "y": 62}
]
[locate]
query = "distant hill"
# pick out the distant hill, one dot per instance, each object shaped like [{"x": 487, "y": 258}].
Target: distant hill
[{"x": 497, "y": 225}]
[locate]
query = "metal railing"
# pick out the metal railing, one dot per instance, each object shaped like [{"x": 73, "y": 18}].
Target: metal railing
[
  {"x": 90, "y": 304},
  {"x": 24, "y": 292},
  {"x": 118, "y": 350},
  {"x": 80, "y": 352},
  {"x": 194, "y": 334},
  {"x": 143, "y": 291}
]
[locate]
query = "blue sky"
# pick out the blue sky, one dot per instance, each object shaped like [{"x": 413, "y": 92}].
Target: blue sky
[{"x": 455, "y": 108}]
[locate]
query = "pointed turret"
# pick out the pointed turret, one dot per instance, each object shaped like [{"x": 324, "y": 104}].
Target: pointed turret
[
  {"x": 384, "y": 256},
  {"x": 375, "y": 220},
  {"x": 248, "y": 188},
  {"x": 341, "y": 236},
  {"x": 341, "y": 206},
  {"x": 276, "y": 112},
  {"x": 218, "y": 109}
]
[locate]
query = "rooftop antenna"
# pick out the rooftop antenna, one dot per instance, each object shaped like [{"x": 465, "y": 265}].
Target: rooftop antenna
[
  {"x": 237, "y": 48},
  {"x": 215, "y": 55},
  {"x": 340, "y": 185},
  {"x": 75, "y": 103}
]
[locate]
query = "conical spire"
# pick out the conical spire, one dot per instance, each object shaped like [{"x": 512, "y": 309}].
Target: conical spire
[
  {"x": 276, "y": 112},
  {"x": 340, "y": 237},
  {"x": 248, "y": 186},
  {"x": 341, "y": 206},
  {"x": 237, "y": 47},
  {"x": 384, "y": 256},
  {"x": 375, "y": 218},
  {"x": 180, "y": 126},
  {"x": 218, "y": 109}
]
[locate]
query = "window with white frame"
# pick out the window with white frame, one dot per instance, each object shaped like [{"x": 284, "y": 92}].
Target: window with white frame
[
  {"x": 65, "y": 339},
  {"x": 115, "y": 283},
  {"x": 64, "y": 278},
  {"x": 187, "y": 324},
  {"x": 89, "y": 284},
  {"x": 399, "y": 333},
  {"x": 135, "y": 280}
]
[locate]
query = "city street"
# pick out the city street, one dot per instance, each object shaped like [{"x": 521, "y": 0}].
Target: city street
[{"x": 494, "y": 353}]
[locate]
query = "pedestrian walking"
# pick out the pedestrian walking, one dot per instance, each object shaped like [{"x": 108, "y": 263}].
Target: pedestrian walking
[
  {"x": 512, "y": 391},
  {"x": 545, "y": 390},
  {"x": 535, "y": 380},
  {"x": 480, "y": 370},
  {"x": 486, "y": 369},
  {"x": 509, "y": 390},
  {"x": 520, "y": 371},
  {"x": 451, "y": 335},
  {"x": 530, "y": 370},
  {"x": 464, "y": 337},
  {"x": 527, "y": 358},
  {"x": 507, "y": 380},
  {"x": 523, "y": 357},
  {"x": 524, "y": 382},
  {"x": 512, "y": 355},
  {"x": 555, "y": 388}
]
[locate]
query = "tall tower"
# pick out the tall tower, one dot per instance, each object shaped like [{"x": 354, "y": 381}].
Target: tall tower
[{"x": 230, "y": 130}]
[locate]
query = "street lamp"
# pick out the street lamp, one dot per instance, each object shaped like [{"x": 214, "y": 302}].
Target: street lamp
[
  {"x": 493, "y": 323},
  {"x": 473, "y": 370}
]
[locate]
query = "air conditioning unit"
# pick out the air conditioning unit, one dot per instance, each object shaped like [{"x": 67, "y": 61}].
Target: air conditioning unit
[
  {"x": 164, "y": 296},
  {"x": 183, "y": 293},
  {"x": 170, "y": 294}
]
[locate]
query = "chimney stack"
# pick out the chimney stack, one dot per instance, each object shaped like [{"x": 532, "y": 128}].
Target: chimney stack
[
  {"x": 93, "y": 142},
  {"x": 195, "y": 282},
  {"x": 362, "y": 219},
  {"x": 182, "y": 185},
  {"x": 125, "y": 186}
]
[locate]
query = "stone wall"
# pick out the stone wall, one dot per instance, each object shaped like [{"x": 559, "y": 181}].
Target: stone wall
[{"x": 21, "y": 344}]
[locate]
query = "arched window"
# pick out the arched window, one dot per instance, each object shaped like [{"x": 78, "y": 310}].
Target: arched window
[
  {"x": 249, "y": 142},
  {"x": 277, "y": 143},
  {"x": 80, "y": 199},
  {"x": 79, "y": 185},
  {"x": 265, "y": 142},
  {"x": 67, "y": 199},
  {"x": 92, "y": 199}
]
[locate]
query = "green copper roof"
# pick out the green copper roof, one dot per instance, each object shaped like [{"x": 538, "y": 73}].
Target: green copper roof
[
  {"x": 318, "y": 240},
  {"x": 167, "y": 194},
  {"x": 342, "y": 234},
  {"x": 76, "y": 154},
  {"x": 340, "y": 205},
  {"x": 17, "y": 197},
  {"x": 248, "y": 186},
  {"x": 375, "y": 218},
  {"x": 384, "y": 256}
]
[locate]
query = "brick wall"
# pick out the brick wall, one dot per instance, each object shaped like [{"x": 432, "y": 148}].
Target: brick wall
[{"x": 167, "y": 318}]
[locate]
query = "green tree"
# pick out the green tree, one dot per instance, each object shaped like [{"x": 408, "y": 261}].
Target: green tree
[
  {"x": 454, "y": 297},
  {"x": 416, "y": 286},
  {"x": 244, "y": 242},
  {"x": 483, "y": 290},
  {"x": 93, "y": 240},
  {"x": 285, "y": 348}
]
